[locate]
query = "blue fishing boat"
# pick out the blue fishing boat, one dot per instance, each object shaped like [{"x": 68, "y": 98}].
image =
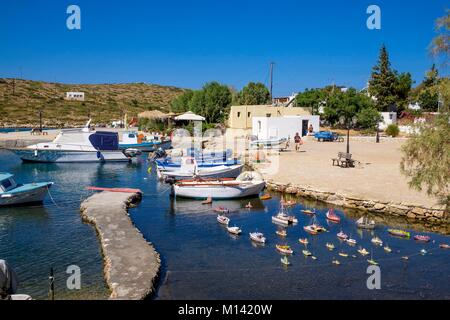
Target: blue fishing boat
[
  {"x": 12, "y": 193},
  {"x": 133, "y": 140}
]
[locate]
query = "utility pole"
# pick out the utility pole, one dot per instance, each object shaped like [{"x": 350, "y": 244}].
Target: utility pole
[
  {"x": 271, "y": 81},
  {"x": 14, "y": 87},
  {"x": 40, "y": 120}
]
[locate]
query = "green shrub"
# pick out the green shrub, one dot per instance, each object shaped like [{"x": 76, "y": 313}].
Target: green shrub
[{"x": 392, "y": 130}]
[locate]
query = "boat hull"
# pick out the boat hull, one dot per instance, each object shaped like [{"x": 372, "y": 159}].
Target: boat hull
[
  {"x": 32, "y": 195},
  {"x": 218, "y": 192},
  {"x": 146, "y": 146},
  {"x": 213, "y": 173},
  {"x": 61, "y": 156}
]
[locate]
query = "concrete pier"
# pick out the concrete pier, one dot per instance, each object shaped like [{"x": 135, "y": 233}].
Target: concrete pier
[{"x": 131, "y": 264}]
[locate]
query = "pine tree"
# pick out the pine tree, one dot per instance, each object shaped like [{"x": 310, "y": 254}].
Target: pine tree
[{"x": 382, "y": 84}]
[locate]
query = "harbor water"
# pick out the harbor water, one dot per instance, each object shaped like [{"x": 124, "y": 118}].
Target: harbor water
[{"x": 200, "y": 260}]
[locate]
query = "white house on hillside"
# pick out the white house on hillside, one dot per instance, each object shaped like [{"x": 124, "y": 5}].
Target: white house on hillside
[{"x": 77, "y": 96}]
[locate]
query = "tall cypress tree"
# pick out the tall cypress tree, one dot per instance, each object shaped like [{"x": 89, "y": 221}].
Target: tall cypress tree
[{"x": 382, "y": 84}]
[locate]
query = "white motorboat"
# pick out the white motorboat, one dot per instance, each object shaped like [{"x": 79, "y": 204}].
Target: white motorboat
[
  {"x": 257, "y": 237},
  {"x": 76, "y": 145},
  {"x": 143, "y": 143},
  {"x": 223, "y": 219},
  {"x": 12, "y": 193},
  {"x": 234, "y": 230},
  {"x": 272, "y": 143},
  {"x": 247, "y": 184},
  {"x": 365, "y": 223},
  {"x": 189, "y": 169}
]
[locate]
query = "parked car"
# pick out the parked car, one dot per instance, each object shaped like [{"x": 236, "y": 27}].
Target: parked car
[{"x": 326, "y": 136}]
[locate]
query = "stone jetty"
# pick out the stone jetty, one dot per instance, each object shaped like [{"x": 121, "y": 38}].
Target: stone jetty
[{"x": 131, "y": 264}]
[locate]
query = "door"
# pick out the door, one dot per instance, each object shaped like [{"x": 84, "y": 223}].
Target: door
[{"x": 305, "y": 127}]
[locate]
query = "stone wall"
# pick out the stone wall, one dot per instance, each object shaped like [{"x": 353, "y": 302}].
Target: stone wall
[{"x": 435, "y": 215}]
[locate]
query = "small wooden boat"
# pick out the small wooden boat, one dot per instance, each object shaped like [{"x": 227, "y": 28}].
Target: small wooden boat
[
  {"x": 310, "y": 229},
  {"x": 365, "y": 223},
  {"x": 333, "y": 217},
  {"x": 306, "y": 253},
  {"x": 309, "y": 212},
  {"x": 444, "y": 246},
  {"x": 399, "y": 233},
  {"x": 257, "y": 237},
  {"x": 363, "y": 251},
  {"x": 234, "y": 230},
  {"x": 223, "y": 219},
  {"x": 303, "y": 241},
  {"x": 372, "y": 262},
  {"x": 336, "y": 262},
  {"x": 285, "y": 249},
  {"x": 387, "y": 249},
  {"x": 285, "y": 261},
  {"x": 330, "y": 246},
  {"x": 351, "y": 242},
  {"x": 221, "y": 209},
  {"x": 377, "y": 241},
  {"x": 423, "y": 252},
  {"x": 341, "y": 235},
  {"x": 343, "y": 254},
  {"x": 422, "y": 238},
  {"x": 13, "y": 193},
  {"x": 283, "y": 218},
  {"x": 281, "y": 233},
  {"x": 266, "y": 197}
]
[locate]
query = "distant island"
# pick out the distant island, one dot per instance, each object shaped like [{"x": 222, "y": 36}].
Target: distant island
[{"x": 21, "y": 100}]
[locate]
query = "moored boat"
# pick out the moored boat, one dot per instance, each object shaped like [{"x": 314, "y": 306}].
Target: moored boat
[
  {"x": 309, "y": 212},
  {"x": 377, "y": 241},
  {"x": 350, "y": 241},
  {"x": 257, "y": 237},
  {"x": 281, "y": 233},
  {"x": 222, "y": 209},
  {"x": 362, "y": 251},
  {"x": 341, "y": 235},
  {"x": 422, "y": 238},
  {"x": 12, "y": 193},
  {"x": 332, "y": 216},
  {"x": 141, "y": 142},
  {"x": 223, "y": 219},
  {"x": 330, "y": 246},
  {"x": 387, "y": 249},
  {"x": 306, "y": 253},
  {"x": 285, "y": 249},
  {"x": 303, "y": 241},
  {"x": 246, "y": 185},
  {"x": 234, "y": 230},
  {"x": 285, "y": 261},
  {"x": 444, "y": 246},
  {"x": 365, "y": 223},
  {"x": 399, "y": 233}
]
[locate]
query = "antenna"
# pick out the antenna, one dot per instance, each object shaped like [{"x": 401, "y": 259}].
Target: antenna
[{"x": 271, "y": 80}]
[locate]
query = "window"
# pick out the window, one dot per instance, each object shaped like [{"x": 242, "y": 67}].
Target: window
[
  {"x": 391, "y": 116},
  {"x": 6, "y": 184},
  {"x": 249, "y": 114},
  {"x": 268, "y": 115},
  {"x": 259, "y": 126},
  {"x": 238, "y": 114}
]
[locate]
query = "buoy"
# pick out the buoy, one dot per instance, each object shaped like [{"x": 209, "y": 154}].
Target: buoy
[{"x": 149, "y": 170}]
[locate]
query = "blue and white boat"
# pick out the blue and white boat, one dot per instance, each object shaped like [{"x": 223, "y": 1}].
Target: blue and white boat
[
  {"x": 134, "y": 140},
  {"x": 169, "y": 165},
  {"x": 12, "y": 193},
  {"x": 77, "y": 145}
]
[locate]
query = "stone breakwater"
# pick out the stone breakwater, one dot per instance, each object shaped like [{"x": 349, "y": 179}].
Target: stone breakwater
[
  {"x": 414, "y": 212},
  {"x": 131, "y": 264}
]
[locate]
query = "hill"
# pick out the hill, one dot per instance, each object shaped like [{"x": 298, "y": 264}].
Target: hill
[{"x": 21, "y": 100}]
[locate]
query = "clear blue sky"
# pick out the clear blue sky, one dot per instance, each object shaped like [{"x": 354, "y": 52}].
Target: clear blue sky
[{"x": 186, "y": 43}]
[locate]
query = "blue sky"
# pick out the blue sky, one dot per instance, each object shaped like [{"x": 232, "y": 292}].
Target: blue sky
[{"x": 187, "y": 43}]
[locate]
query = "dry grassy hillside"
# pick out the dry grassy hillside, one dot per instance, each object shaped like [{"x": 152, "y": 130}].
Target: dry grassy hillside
[{"x": 104, "y": 102}]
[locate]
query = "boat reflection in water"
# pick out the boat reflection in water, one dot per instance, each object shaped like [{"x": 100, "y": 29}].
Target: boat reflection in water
[{"x": 186, "y": 206}]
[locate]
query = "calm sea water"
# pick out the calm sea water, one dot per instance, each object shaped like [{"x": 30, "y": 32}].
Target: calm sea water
[{"x": 200, "y": 259}]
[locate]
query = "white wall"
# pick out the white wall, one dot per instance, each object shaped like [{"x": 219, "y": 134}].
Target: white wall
[
  {"x": 388, "y": 118},
  {"x": 282, "y": 127}
]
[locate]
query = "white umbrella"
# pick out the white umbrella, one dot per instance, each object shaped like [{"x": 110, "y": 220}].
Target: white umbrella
[{"x": 189, "y": 116}]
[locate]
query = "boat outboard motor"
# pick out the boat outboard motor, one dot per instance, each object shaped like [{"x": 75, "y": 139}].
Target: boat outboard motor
[
  {"x": 8, "y": 281},
  {"x": 160, "y": 153}
]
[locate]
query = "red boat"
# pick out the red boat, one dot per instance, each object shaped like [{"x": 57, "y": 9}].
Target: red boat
[
  {"x": 444, "y": 246},
  {"x": 333, "y": 216},
  {"x": 422, "y": 238},
  {"x": 221, "y": 209}
]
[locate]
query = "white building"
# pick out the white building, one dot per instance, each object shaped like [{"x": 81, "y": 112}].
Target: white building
[
  {"x": 77, "y": 96},
  {"x": 388, "y": 118},
  {"x": 284, "y": 127}
]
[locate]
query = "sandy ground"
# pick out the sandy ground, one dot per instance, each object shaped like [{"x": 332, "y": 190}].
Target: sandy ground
[{"x": 377, "y": 178}]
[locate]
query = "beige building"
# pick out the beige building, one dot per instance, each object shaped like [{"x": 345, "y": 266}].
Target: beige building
[{"x": 241, "y": 116}]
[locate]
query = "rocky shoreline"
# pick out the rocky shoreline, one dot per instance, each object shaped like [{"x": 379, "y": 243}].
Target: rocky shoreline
[{"x": 415, "y": 212}]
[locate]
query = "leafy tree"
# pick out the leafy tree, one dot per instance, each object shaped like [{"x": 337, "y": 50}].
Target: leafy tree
[
  {"x": 254, "y": 94},
  {"x": 441, "y": 43},
  {"x": 428, "y": 96},
  {"x": 387, "y": 86},
  {"x": 368, "y": 118},
  {"x": 181, "y": 102},
  {"x": 426, "y": 155},
  {"x": 311, "y": 98}
]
